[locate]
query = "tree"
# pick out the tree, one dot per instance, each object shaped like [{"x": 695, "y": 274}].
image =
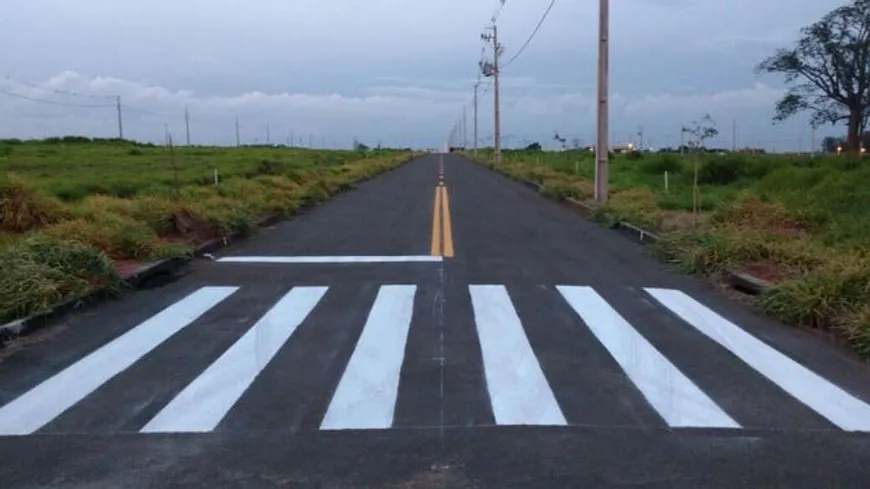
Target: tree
[
  {"x": 534, "y": 147},
  {"x": 561, "y": 140},
  {"x": 830, "y": 144},
  {"x": 699, "y": 132},
  {"x": 829, "y": 71}
]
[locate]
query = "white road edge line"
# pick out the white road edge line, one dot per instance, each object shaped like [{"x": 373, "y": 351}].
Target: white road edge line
[
  {"x": 55, "y": 395},
  {"x": 205, "y": 401},
  {"x": 366, "y": 394},
  {"x": 832, "y": 402},
  {"x": 518, "y": 390},
  {"x": 331, "y": 259},
  {"x": 674, "y": 396}
]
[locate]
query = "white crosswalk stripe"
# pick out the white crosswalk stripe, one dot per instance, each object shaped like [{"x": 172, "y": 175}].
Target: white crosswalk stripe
[
  {"x": 203, "y": 403},
  {"x": 40, "y": 405},
  {"x": 830, "y": 401},
  {"x": 363, "y": 384},
  {"x": 518, "y": 390},
  {"x": 679, "y": 401},
  {"x": 366, "y": 396}
]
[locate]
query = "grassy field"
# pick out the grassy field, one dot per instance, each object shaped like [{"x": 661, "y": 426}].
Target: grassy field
[
  {"x": 78, "y": 214},
  {"x": 802, "y": 223}
]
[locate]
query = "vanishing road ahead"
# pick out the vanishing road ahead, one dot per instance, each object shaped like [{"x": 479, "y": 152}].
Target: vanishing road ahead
[{"x": 441, "y": 326}]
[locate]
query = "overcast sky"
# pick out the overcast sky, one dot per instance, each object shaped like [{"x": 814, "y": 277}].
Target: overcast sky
[{"x": 395, "y": 71}]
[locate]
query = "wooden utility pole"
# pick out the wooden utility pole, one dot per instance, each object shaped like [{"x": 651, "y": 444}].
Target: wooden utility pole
[
  {"x": 734, "y": 135},
  {"x": 120, "y": 119},
  {"x": 496, "y": 53},
  {"x": 187, "y": 125},
  {"x": 602, "y": 149},
  {"x": 476, "y": 85}
]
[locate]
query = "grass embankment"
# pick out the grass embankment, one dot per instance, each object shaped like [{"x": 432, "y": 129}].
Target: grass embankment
[
  {"x": 802, "y": 223},
  {"x": 76, "y": 215}
]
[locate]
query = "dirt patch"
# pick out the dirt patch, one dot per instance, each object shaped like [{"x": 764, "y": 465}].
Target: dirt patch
[
  {"x": 681, "y": 221},
  {"x": 190, "y": 227},
  {"x": 126, "y": 267},
  {"x": 770, "y": 272}
]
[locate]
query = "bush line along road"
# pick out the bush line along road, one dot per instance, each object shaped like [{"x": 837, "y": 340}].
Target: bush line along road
[{"x": 439, "y": 326}]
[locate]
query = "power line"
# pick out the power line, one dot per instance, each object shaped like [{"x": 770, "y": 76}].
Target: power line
[
  {"x": 498, "y": 10},
  {"x": 58, "y": 90},
  {"x": 52, "y": 102},
  {"x": 532, "y": 36}
]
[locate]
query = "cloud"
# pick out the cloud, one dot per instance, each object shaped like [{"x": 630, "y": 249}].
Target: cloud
[
  {"x": 758, "y": 96},
  {"x": 399, "y": 114}
]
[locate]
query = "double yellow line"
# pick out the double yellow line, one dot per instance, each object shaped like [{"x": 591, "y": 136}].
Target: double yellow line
[{"x": 442, "y": 232}]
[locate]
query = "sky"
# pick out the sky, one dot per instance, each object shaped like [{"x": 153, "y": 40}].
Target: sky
[{"x": 394, "y": 72}]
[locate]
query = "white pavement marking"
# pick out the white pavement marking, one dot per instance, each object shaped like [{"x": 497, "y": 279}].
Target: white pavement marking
[
  {"x": 676, "y": 398},
  {"x": 206, "y": 400},
  {"x": 366, "y": 394},
  {"x": 52, "y": 397},
  {"x": 330, "y": 259},
  {"x": 518, "y": 389},
  {"x": 825, "y": 398}
]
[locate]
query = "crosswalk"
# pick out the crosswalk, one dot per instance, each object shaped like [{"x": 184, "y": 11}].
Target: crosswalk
[{"x": 363, "y": 375}]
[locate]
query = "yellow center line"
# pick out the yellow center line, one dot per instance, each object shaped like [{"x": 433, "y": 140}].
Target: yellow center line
[
  {"x": 436, "y": 224},
  {"x": 448, "y": 231}
]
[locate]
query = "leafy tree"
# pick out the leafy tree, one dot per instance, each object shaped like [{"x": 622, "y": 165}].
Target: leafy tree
[
  {"x": 699, "y": 132},
  {"x": 534, "y": 147},
  {"x": 828, "y": 71}
]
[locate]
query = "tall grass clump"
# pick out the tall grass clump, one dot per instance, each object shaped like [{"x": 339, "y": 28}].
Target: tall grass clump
[
  {"x": 42, "y": 271},
  {"x": 24, "y": 207}
]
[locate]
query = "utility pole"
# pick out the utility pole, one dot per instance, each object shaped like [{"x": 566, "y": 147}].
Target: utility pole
[
  {"x": 734, "y": 135},
  {"x": 464, "y": 129},
  {"x": 640, "y": 135},
  {"x": 602, "y": 149},
  {"x": 475, "y": 116},
  {"x": 491, "y": 69},
  {"x": 120, "y": 119},
  {"x": 187, "y": 125},
  {"x": 496, "y": 54},
  {"x": 238, "y": 140}
]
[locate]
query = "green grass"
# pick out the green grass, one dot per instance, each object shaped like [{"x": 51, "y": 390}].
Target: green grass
[
  {"x": 72, "y": 212},
  {"x": 802, "y": 222}
]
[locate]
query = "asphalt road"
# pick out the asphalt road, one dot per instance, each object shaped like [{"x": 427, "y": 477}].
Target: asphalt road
[{"x": 441, "y": 326}]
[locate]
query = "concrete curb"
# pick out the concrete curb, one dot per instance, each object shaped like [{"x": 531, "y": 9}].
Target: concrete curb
[
  {"x": 747, "y": 283},
  {"x": 133, "y": 281},
  {"x": 737, "y": 280}
]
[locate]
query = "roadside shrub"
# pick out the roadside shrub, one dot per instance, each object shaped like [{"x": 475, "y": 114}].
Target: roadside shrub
[
  {"x": 854, "y": 325},
  {"x": 43, "y": 271},
  {"x": 728, "y": 247},
  {"x": 637, "y": 205},
  {"x": 825, "y": 298},
  {"x": 314, "y": 193},
  {"x": 24, "y": 207},
  {"x": 719, "y": 171},
  {"x": 120, "y": 237},
  {"x": 750, "y": 211},
  {"x": 660, "y": 164},
  {"x": 270, "y": 167},
  {"x": 560, "y": 190}
]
